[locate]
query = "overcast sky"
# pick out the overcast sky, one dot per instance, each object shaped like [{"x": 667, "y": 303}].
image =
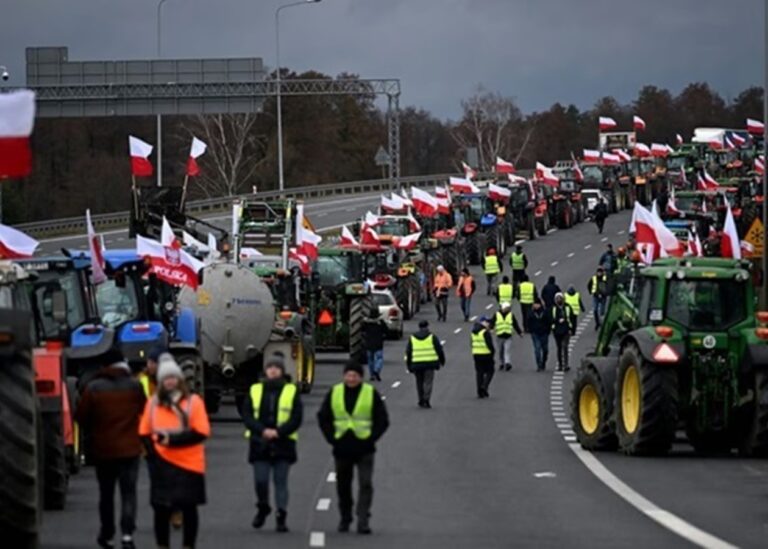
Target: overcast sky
[{"x": 538, "y": 51}]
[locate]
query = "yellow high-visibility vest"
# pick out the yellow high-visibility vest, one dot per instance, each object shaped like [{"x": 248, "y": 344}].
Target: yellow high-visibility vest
[
  {"x": 517, "y": 261},
  {"x": 360, "y": 422},
  {"x": 491, "y": 266},
  {"x": 505, "y": 293},
  {"x": 574, "y": 301},
  {"x": 284, "y": 405},
  {"x": 479, "y": 346},
  {"x": 503, "y": 324},
  {"x": 527, "y": 291},
  {"x": 423, "y": 350}
]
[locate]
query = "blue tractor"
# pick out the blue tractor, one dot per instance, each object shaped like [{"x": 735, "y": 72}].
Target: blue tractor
[{"x": 480, "y": 226}]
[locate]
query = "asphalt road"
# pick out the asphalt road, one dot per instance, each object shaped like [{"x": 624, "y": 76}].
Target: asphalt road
[{"x": 500, "y": 472}]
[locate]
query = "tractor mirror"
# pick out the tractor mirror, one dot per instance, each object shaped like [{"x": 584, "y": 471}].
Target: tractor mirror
[{"x": 55, "y": 305}]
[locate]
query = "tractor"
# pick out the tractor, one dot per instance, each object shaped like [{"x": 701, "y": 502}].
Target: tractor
[
  {"x": 602, "y": 178},
  {"x": 522, "y": 206},
  {"x": 682, "y": 348},
  {"x": 479, "y": 225}
]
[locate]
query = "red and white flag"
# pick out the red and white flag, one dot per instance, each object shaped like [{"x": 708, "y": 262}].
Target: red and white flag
[
  {"x": 610, "y": 159},
  {"x": 715, "y": 144},
  {"x": 730, "y": 244},
  {"x": 442, "y": 192},
  {"x": 706, "y": 182},
  {"x": 392, "y": 204},
  {"x": 760, "y": 165},
  {"x": 443, "y": 205},
  {"x": 578, "y": 175},
  {"x": 371, "y": 220},
  {"x": 14, "y": 244},
  {"x": 606, "y": 123},
  {"x": 623, "y": 155},
  {"x": 424, "y": 203},
  {"x": 591, "y": 155},
  {"x": 737, "y": 139},
  {"x": 658, "y": 150},
  {"x": 650, "y": 232},
  {"x": 307, "y": 241},
  {"x": 301, "y": 260},
  {"x": 347, "y": 238},
  {"x": 167, "y": 236},
  {"x": 710, "y": 181},
  {"x": 403, "y": 196},
  {"x": 171, "y": 264},
  {"x": 502, "y": 166},
  {"x": 98, "y": 265},
  {"x": 755, "y": 127},
  {"x": 17, "y": 118},
  {"x": 545, "y": 174},
  {"x": 516, "y": 179},
  {"x": 140, "y": 151},
  {"x": 498, "y": 193},
  {"x": 197, "y": 150},
  {"x": 469, "y": 173},
  {"x": 407, "y": 242},
  {"x": 672, "y": 203},
  {"x": 642, "y": 150},
  {"x": 638, "y": 123},
  {"x": 369, "y": 237},
  {"x": 729, "y": 145},
  {"x": 463, "y": 186},
  {"x": 679, "y": 139},
  {"x": 694, "y": 245}
]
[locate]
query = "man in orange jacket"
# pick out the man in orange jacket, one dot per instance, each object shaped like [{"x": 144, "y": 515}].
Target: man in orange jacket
[
  {"x": 442, "y": 287},
  {"x": 465, "y": 289}
]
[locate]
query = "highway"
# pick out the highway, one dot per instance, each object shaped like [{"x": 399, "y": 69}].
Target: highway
[{"x": 498, "y": 472}]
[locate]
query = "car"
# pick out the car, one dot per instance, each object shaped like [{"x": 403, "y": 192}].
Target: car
[
  {"x": 591, "y": 198},
  {"x": 390, "y": 312}
]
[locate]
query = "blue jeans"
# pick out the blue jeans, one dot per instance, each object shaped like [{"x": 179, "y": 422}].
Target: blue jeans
[
  {"x": 279, "y": 468},
  {"x": 540, "y": 349},
  {"x": 375, "y": 362},
  {"x": 598, "y": 306},
  {"x": 466, "y": 303}
]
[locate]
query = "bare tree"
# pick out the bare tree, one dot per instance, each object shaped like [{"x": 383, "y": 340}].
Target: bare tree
[{"x": 234, "y": 152}]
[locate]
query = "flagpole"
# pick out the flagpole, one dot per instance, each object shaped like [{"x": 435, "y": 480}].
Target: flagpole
[
  {"x": 184, "y": 193},
  {"x": 134, "y": 192},
  {"x": 764, "y": 289}
]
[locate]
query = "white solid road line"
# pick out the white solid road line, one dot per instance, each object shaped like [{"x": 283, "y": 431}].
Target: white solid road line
[
  {"x": 317, "y": 539},
  {"x": 396, "y": 384},
  {"x": 647, "y": 507},
  {"x": 323, "y": 504}
]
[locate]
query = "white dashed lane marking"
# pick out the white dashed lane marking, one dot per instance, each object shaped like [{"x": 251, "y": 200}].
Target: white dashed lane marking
[
  {"x": 317, "y": 539},
  {"x": 457, "y": 330},
  {"x": 489, "y": 306},
  {"x": 588, "y": 246},
  {"x": 604, "y": 239},
  {"x": 570, "y": 255},
  {"x": 396, "y": 384},
  {"x": 323, "y": 504},
  {"x": 537, "y": 273},
  {"x": 553, "y": 264},
  {"x": 473, "y": 318},
  {"x": 331, "y": 476}
]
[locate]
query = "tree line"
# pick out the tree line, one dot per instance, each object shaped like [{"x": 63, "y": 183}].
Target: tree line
[{"x": 84, "y": 163}]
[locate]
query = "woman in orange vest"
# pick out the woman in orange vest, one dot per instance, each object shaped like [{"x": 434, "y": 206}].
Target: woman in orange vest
[
  {"x": 173, "y": 428},
  {"x": 465, "y": 289}
]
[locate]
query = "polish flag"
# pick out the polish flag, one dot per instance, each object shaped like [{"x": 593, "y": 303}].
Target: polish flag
[
  {"x": 369, "y": 237},
  {"x": 249, "y": 253},
  {"x": 694, "y": 245},
  {"x": 16, "y": 245},
  {"x": 371, "y": 220},
  {"x": 197, "y": 150},
  {"x": 17, "y": 118},
  {"x": 679, "y": 139},
  {"x": 669, "y": 149},
  {"x": 760, "y": 165},
  {"x": 710, "y": 181},
  {"x": 591, "y": 155},
  {"x": 443, "y": 205},
  {"x": 347, "y": 238},
  {"x": 755, "y": 127},
  {"x": 170, "y": 264},
  {"x": 704, "y": 205},
  {"x": 442, "y": 192},
  {"x": 642, "y": 150},
  {"x": 469, "y": 173},
  {"x": 546, "y": 175},
  {"x": 730, "y": 245},
  {"x": 651, "y": 232},
  {"x": 497, "y": 193},
  {"x": 407, "y": 242},
  {"x": 715, "y": 144},
  {"x": 307, "y": 241},
  {"x": 578, "y": 175},
  {"x": 502, "y": 166},
  {"x": 301, "y": 259},
  {"x": 167, "y": 236},
  {"x": 516, "y": 179},
  {"x": 610, "y": 159},
  {"x": 463, "y": 186},
  {"x": 403, "y": 196},
  {"x": 638, "y": 123},
  {"x": 658, "y": 150},
  {"x": 607, "y": 123},
  {"x": 672, "y": 203},
  {"x": 622, "y": 155},
  {"x": 414, "y": 225},
  {"x": 729, "y": 145},
  {"x": 392, "y": 204},
  {"x": 737, "y": 139},
  {"x": 98, "y": 265},
  {"x": 140, "y": 151},
  {"x": 424, "y": 203}
]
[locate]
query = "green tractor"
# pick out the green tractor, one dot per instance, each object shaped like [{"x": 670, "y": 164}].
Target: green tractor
[{"x": 682, "y": 348}]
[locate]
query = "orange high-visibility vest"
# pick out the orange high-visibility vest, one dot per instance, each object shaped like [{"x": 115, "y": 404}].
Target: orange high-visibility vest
[
  {"x": 465, "y": 283},
  {"x": 443, "y": 281}
]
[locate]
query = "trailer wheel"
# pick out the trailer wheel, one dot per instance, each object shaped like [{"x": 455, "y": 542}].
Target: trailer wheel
[
  {"x": 21, "y": 455},
  {"x": 591, "y": 410},
  {"x": 754, "y": 440},
  {"x": 357, "y": 310},
  {"x": 56, "y": 470}
]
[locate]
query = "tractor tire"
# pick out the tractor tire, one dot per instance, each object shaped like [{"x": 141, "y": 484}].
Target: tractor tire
[
  {"x": 754, "y": 440},
  {"x": 592, "y": 410},
  {"x": 358, "y": 309},
  {"x": 56, "y": 470},
  {"x": 191, "y": 365},
  {"x": 451, "y": 260},
  {"x": 531, "y": 223},
  {"x": 645, "y": 405},
  {"x": 482, "y": 245},
  {"x": 402, "y": 297},
  {"x": 474, "y": 256},
  {"x": 491, "y": 239},
  {"x": 75, "y": 453},
  {"x": 21, "y": 455},
  {"x": 307, "y": 370},
  {"x": 414, "y": 292},
  {"x": 544, "y": 225},
  {"x": 212, "y": 400}
]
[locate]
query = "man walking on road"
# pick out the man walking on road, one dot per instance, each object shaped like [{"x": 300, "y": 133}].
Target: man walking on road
[
  {"x": 109, "y": 411},
  {"x": 598, "y": 288},
  {"x": 573, "y": 298},
  {"x": 491, "y": 267},
  {"x": 352, "y": 419},
  {"x": 600, "y": 213},
  {"x": 519, "y": 263},
  {"x": 505, "y": 292},
  {"x": 540, "y": 324},
  {"x": 465, "y": 289},
  {"x": 482, "y": 353},
  {"x": 563, "y": 327},
  {"x": 442, "y": 286},
  {"x": 503, "y": 324},
  {"x": 374, "y": 333},
  {"x": 423, "y": 356},
  {"x": 608, "y": 260},
  {"x": 527, "y": 295},
  {"x": 549, "y": 291}
]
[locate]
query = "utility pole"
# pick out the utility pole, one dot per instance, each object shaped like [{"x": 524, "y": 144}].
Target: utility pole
[
  {"x": 159, "y": 117},
  {"x": 764, "y": 262}
]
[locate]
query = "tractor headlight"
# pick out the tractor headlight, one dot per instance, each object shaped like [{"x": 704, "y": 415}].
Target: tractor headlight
[{"x": 680, "y": 275}]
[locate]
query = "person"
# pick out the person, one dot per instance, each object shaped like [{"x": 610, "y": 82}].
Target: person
[
  {"x": 148, "y": 376},
  {"x": 600, "y": 213},
  {"x": 352, "y": 419},
  {"x": 374, "y": 333},
  {"x": 173, "y": 428},
  {"x": 573, "y": 298},
  {"x": 272, "y": 414},
  {"x": 482, "y": 354},
  {"x": 465, "y": 289},
  {"x": 608, "y": 260},
  {"x": 563, "y": 327},
  {"x": 540, "y": 324},
  {"x": 491, "y": 268},
  {"x": 598, "y": 289},
  {"x": 109, "y": 411},
  {"x": 506, "y": 291},
  {"x": 548, "y": 292},
  {"x": 423, "y": 357},
  {"x": 518, "y": 261},
  {"x": 503, "y": 323},
  {"x": 526, "y": 295},
  {"x": 442, "y": 285}
]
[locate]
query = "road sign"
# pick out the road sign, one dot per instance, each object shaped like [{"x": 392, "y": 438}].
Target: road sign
[
  {"x": 756, "y": 236},
  {"x": 382, "y": 157}
]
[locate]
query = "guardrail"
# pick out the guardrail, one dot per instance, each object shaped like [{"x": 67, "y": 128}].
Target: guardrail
[{"x": 119, "y": 220}]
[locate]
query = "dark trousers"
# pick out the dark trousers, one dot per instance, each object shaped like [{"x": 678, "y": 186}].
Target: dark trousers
[
  {"x": 466, "y": 304},
  {"x": 600, "y": 223},
  {"x": 525, "y": 309},
  {"x": 441, "y": 304},
  {"x": 484, "y": 371},
  {"x": 540, "y": 349},
  {"x": 163, "y": 525},
  {"x": 489, "y": 279},
  {"x": 109, "y": 473},
  {"x": 517, "y": 277},
  {"x": 345, "y": 471},
  {"x": 279, "y": 469},
  {"x": 562, "y": 350},
  {"x": 424, "y": 380}
]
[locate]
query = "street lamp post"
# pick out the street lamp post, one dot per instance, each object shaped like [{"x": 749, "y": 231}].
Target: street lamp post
[
  {"x": 280, "y": 177},
  {"x": 159, "y": 117}
]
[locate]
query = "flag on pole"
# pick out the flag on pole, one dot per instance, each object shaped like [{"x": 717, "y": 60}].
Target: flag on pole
[
  {"x": 638, "y": 123},
  {"x": 140, "y": 151},
  {"x": 760, "y": 165},
  {"x": 307, "y": 241},
  {"x": 642, "y": 150},
  {"x": 469, "y": 173},
  {"x": 623, "y": 155},
  {"x": 502, "y": 166},
  {"x": 98, "y": 265},
  {"x": 500, "y": 194},
  {"x": 679, "y": 139},
  {"x": 755, "y": 127},
  {"x": 546, "y": 175},
  {"x": 171, "y": 264},
  {"x": 591, "y": 155},
  {"x": 424, "y": 203},
  {"x": 301, "y": 260},
  {"x": 17, "y": 118},
  {"x": 658, "y": 150},
  {"x": 606, "y": 123},
  {"x": 463, "y": 186},
  {"x": 197, "y": 150},
  {"x": 406, "y": 242},
  {"x": 730, "y": 245},
  {"x": 371, "y": 219},
  {"x": 14, "y": 244},
  {"x": 347, "y": 238}
]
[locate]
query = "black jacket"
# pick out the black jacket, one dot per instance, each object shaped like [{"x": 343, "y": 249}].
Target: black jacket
[
  {"x": 349, "y": 446},
  {"x": 539, "y": 322},
  {"x": 423, "y": 334},
  {"x": 374, "y": 333},
  {"x": 283, "y": 447},
  {"x": 548, "y": 293},
  {"x": 563, "y": 321},
  {"x": 601, "y": 212},
  {"x": 488, "y": 337}
]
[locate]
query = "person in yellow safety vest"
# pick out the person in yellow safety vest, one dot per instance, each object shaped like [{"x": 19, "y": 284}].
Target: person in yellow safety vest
[
  {"x": 506, "y": 291},
  {"x": 563, "y": 327},
  {"x": 352, "y": 419},
  {"x": 482, "y": 353},
  {"x": 272, "y": 413},
  {"x": 423, "y": 357},
  {"x": 148, "y": 376},
  {"x": 518, "y": 261},
  {"x": 491, "y": 268},
  {"x": 573, "y": 298},
  {"x": 503, "y": 324},
  {"x": 598, "y": 288},
  {"x": 465, "y": 289},
  {"x": 526, "y": 295}
]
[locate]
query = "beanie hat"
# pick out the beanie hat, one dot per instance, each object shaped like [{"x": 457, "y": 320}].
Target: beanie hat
[
  {"x": 560, "y": 295},
  {"x": 353, "y": 366},
  {"x": 424, "y": 324},
  {"x": 167, "y": 367},
  {"x": 276, "y": 361}
]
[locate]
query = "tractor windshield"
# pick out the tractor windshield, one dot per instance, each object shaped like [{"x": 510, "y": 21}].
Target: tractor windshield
[
  {"x": 593, "y": 174},
  {"x": 6, "y": 298},
  {"x": 702, "y": 305},
  {"x": 689, "y": 203},
  {"x": 333, "y": 270},
  {"x": 69, "y": 283},
  {"x": 475, "y": 207},
  {"x": 117, "y": 305},
  {"x": 394, "y": 227},
  {"x": 676, "y": 163}
]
